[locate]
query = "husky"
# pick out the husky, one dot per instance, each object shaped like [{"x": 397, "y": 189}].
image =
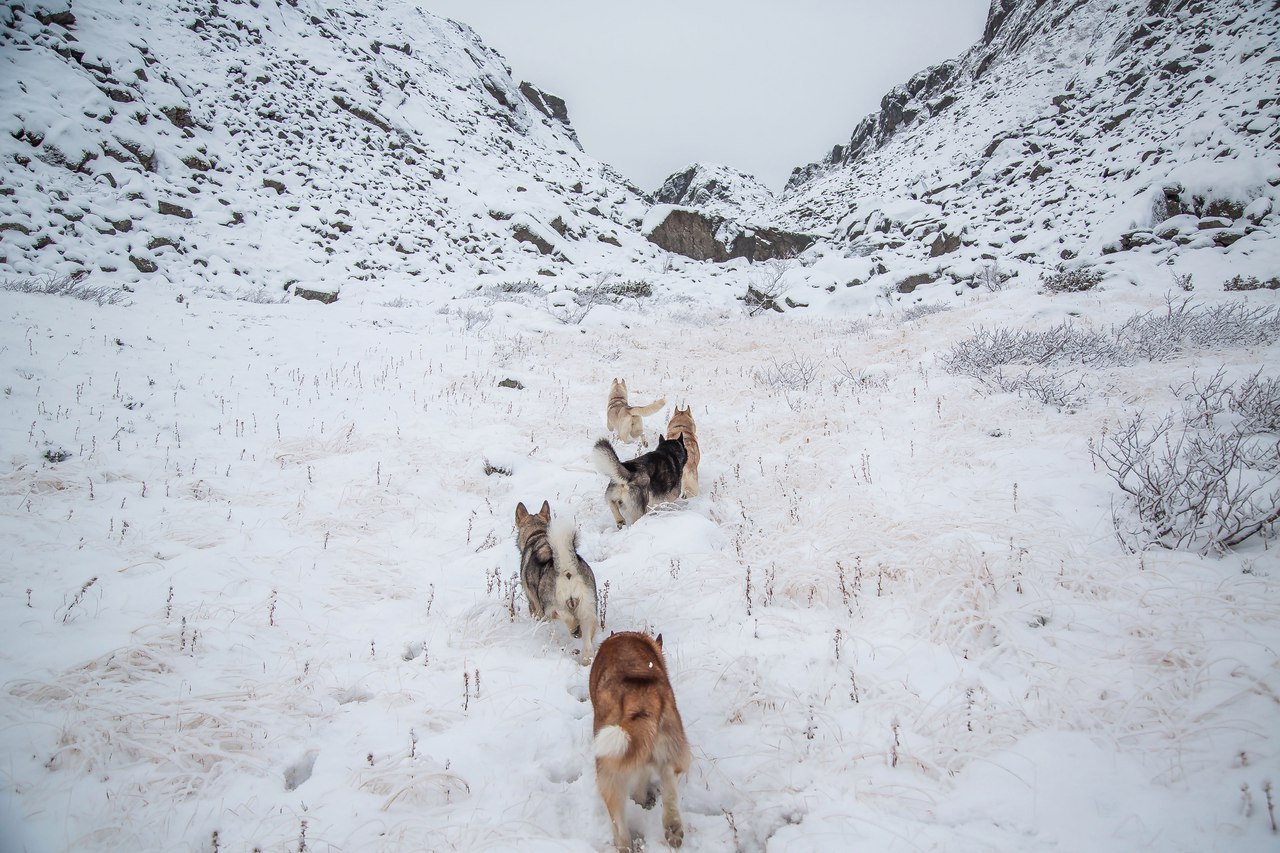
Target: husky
[
  {"x": 681, "y": 424},
  {"x": 557, "y": 581},
  {"x": 650, "y": 478},
  {"x": 637, "y": 732},
  {"x": 624, "y": 419}
]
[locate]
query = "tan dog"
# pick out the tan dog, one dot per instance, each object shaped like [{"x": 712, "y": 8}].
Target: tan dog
[
  {"x": 681, "y": 424},
  {"x": 623, "y": 418},
  {"x": 557, "y": 581},
  {"x": 637, "y": 732}
]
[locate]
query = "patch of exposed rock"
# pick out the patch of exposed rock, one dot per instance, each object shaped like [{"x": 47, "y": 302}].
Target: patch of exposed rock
[{"x": 709, "y": 237}]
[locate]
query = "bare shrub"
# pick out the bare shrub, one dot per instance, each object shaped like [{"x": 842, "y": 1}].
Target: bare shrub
[
  {"x": 991, "y": 277},
  {"x": 474, "y": 319},
  {"x": 1064, "y": 391},
  {"x": 261, "y": 296},
  {"x": 795, "y": 374},
  {"x": 1202, "y": 490},
  {"x": 74, "y": 286},
  {"x": 1065, "y": 343},
  {"x": 1153, "y": 336},
  {"x": 765, "y": 287},
  {"x": 1205, "y": 484},
  {"x": 1185, "y": 326},
  {"x": 1257, "y": 401},
  {"x": 923, "y": 309}
]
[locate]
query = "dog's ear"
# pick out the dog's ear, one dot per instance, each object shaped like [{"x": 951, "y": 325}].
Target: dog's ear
[
  {"x": 521, "y": 512},
  {"x": 659, "y": 641},
  {"x": 545, "y": 512}
]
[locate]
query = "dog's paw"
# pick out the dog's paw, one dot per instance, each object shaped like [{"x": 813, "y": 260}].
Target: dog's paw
[
  {"x": 675, "y": 833},
  {"x": 577, "y": 632},
  {"x": 648, "y": 798}
]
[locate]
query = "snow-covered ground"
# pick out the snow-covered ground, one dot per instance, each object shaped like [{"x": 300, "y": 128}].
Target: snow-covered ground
[{"x": 269, "y": 599}]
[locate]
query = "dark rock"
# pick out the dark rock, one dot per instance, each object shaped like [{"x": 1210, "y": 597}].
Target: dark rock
[
  {"x": 524, "y": 235},
  {"x": 316, "y": 295},
  {"x": 170, "y": 209},
  {"x": 62, "y": 17},
  {"x": 511, "y": 383},
  {"x": 944, "y": 244},
  {"x": 911, "y": 282},
  {"x": 996, "y": 17},
  {"x": 143, "y": 264},
  {"x": 1133, "y": 239},
  {"x": 179, "y": 116},
  {"x": 278, "y": 186},
  {"x": 699, "y": 236}
]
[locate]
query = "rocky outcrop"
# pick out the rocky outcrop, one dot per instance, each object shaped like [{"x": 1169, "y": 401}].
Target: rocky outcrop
[
  {"x": 717, "y": 190},
  {"x": 708, "y": 237},
  {"x": 550, "y": 106},
  {"x": 1064, "y": 132}
]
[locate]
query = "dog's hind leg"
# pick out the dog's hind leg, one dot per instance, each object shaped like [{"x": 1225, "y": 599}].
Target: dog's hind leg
[
  {"x": 671, "y": 822},
  {"x": 645, "y": 791},
  {"x": 612, "y": 791},
  {"x": 617, "y": 516}
]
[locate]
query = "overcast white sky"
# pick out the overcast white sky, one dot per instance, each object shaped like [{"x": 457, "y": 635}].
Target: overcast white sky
[{"x": 759, "y": 85}]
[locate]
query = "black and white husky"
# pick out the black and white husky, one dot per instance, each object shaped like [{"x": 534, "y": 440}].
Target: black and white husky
[
  {"x": 650, "y": 478},
  {"x": 558, "y": 583}
]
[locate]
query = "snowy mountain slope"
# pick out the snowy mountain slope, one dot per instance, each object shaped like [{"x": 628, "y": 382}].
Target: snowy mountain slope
[
  {"x": 1075, "y": 128},
  {"x": 267, "y": 143}
]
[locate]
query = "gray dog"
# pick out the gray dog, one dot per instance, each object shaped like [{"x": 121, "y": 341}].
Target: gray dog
[{"x": 648, "y": 479}]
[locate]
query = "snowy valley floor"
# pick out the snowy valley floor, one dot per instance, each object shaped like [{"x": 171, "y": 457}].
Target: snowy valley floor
[{"x": 269, "y": 600}]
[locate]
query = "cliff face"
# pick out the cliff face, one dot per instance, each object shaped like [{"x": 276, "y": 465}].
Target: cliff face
[
  {"x": 717, "y": 190},
  {"x": 368, "y": 139},
  {"x": 1073, "y": 126}
]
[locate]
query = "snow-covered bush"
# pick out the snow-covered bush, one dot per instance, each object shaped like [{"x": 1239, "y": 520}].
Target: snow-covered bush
[
  {"x": 1250, "y": 282},
  {"x": 1184, "y": 326},
  {"x": 923, "y": 309},
  {"x": 1181, "y": 327},
  {"x": 1065, "y": 343},
  {"x": 1201, "y": 484},
  {"x": 1257, "y": 401},
  {"x": 765, "y": 287},
  {"x": 66, "y": 285},
  {"x": 1070, "y": 281}
]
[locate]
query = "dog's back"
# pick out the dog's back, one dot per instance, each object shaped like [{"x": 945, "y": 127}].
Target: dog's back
[
  {"x": 681, "y": 425},
  {"x": 624, "y": 419},
  {"x": 637, "y": 729},
  {"x": 651, "y": 477}
]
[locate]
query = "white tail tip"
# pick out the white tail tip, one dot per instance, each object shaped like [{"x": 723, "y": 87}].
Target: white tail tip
[{"x": 611, "y": 742}]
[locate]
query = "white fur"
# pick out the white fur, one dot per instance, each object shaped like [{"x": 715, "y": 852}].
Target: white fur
[
  {"x": 609, "y": 465},
  {"x": 611, "y": 742}
]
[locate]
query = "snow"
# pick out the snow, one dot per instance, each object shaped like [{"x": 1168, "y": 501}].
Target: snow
[
  {"x": 897, "y": 616},
  {"x": 259, "y": 584}
]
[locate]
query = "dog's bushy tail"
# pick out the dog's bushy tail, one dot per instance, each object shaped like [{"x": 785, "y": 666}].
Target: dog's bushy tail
[
  {"x": 645, "y": 411},
  {"x": 611, "y": 742},
  {"x": 607, "y": 462},
  {"x": 573, "y": 587}
]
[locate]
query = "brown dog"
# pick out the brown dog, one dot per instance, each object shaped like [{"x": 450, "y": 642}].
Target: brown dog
[
  {"x": 623, "y": 418},
  {"x": 681, "y": 424},
  {"x": 637, "y": 732}
]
